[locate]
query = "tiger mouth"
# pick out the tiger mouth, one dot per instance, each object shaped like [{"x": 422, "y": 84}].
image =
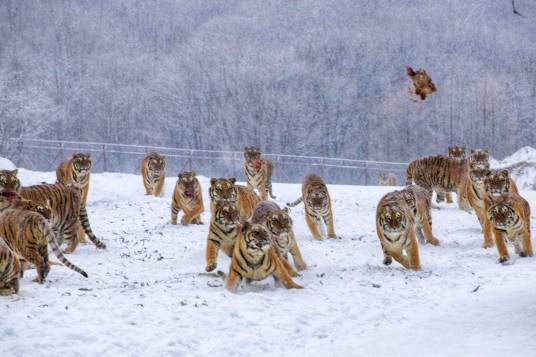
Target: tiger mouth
[
  {"x": 11, "y": 196},
  {"x": 189, "y": 194}
]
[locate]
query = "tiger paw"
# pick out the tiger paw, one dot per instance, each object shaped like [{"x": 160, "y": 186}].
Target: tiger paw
[
  {"x": 434, "y": 241},
  {"x": 503, "y": 259},
  {"x": 387, "y": 261},
  {"x": 301, "y": 267},
  {"x": 211, "y": 267},
  {"x": 486, "y": 245},
  {"x": 522, "y": 254}
]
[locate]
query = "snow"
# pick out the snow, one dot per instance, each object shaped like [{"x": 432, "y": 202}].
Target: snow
[
  {"x": 6, "y": 164},
  {"x": 522, "y": 167},
  {"x": 147, "y": 291}
]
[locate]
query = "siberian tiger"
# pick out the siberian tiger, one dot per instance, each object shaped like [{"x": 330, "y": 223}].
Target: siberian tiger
[
  {"x": 419, "y": 201},
  {"x": 153, "y": 172},
  {"x": 440, "y": 174},
  {"x": 317, "y": 202},
  {"x": 455, "y": 152},
  {"x": 255, "y": 258},
  {"x": 11, "y": 270},
  {"x": 498, "y": 183},
  {"x": 258, "y": 172},
  {"x": 479, "y": 158},
  {"x": 476, "y": 195},
  {"x": 226, "y": 190},
  {"x": 188, "y": 197},
  {"x": 23, "y": 204},
  {"x": 387, "y": 179},
  {"x": 509, "y": 215},
  {"x": 28, "y": 234},
  {"x": 278, "y": 222},
  {"x": 75, "y": 172},
  {"x": 222, "y": 232},
  {"x": 396, "y": 232}
]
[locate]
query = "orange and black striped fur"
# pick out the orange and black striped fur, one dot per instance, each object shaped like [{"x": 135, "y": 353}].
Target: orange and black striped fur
[
  {"x": 11, "y": 270},
  {"x": 222, "y": 232},
  {"x": 455, "y": 152},
  {"x": 226, "y": 190},
  {"x": 153, "y": 172},
  {"x": 279, "y": 224},
  {"x": 28, "y": 234},
  {"x": 258, "y": 172},
  {"x": 509, "y": 215},
  {"x": 255, "y": 258},
  {"x": 477, "y": 197},
  {"x": 188, "y": 197},
  {"x": 498, "y": 183},
  {"x": 43, "y": 210},
  {"x": 75, "y": 172},
  {"x": 396, "y": 231},
  {"x": 317, "y": 202},
  {"x": 479, "y": 158},
  {"x": 419, "y": 201}
]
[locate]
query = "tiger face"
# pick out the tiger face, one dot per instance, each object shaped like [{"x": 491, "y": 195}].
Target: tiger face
[
  {"x": 9, "y": 184},
  {"x": 279, "y": 222},
  {"x": 256, "y": 237},
  {"x": 478, "y": 175},
  {"x": 479, "y": 158},
  {"x": 502, "y": 215},
  {"x": 457, "y": 152},
  {"x": 223, "y": 190},
  {"x": 497, "y": 183},
  {"x": 317, "y": 197},
  {"x": 188, "y": 183},
  {"x": 156, "y": 164},
  {"x": 41, "y": 209},
  {"x": 393, "y": 220},
  {"x": 82, "y": 163},
  {"x": 227, "y": 214}
]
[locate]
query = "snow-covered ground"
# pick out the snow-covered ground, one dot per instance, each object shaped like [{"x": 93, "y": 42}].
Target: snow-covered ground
[
  {"x": 522, "y": 167},
  {"x": 147, "y": 295}
]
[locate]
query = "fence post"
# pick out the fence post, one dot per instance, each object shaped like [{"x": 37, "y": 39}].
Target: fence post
[{"x": 104, "y": 158}]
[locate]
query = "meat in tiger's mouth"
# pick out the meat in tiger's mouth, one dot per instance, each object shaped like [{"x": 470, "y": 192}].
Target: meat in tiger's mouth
[{"x": 11, "y": 196}]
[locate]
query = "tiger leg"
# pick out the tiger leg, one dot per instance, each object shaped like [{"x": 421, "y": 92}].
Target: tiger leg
[
  {"x": 211, "y": 254},
  {"x": 81, "y": 234},
  {"x": 197, "y": 220},
  {"x": 71, "y": 239},
  {"x": 427, "y": 230},
  {"x": 312, "y": 226},
  {"x": 288, "y": 267},
  {"x": 6, "y": 291},
  {"x": 387, "y": 258},
  {"x": 297, "y": 257},
  {"x": 412, "y": 251},
  {"x": 526, "y": 243},
  {"x": 263, "y": 191},
  {"x": 148, "y": 188},
  {"x": 440, "y": 197},
  {"x": 159, "y": 187},
  {"x": 328, "y": 221},
  {"x": 233, "y": 280},
  {"x": 174, "y": 212},
  {"x": 14, "y": 284},
  {"x": 189, "y": 217},
  {"x": 501, "y": 246},
  {"x": 281, "y": 274},
  {"x": 41, "y": 266},
  {"x": 448, "y": 196},
  {"x": 488, "y": 232},
  {"x": 463, "y": 202}
]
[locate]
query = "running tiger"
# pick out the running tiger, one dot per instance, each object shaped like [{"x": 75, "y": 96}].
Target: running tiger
[
  {"x": 258, "y": 172},
  {"x": 396, "y": 231},
  {"x": 10, "y": 270},
  {"x": 226, "y": 190},
  {"x": 476, "y": 194},
  {"x": 153, "y": 172},
  {"x": 188, "y": 197},
  {"x": 28, "y": 234},
  {"x": 318, "y": 209},
  {"x": 254, "y": 258},
  {"x": 222, "y": 232},
  {"x": 279, "y": 224},
  {"x": 510, "y": 217},
  {"x": 387, "y": 179},
  {"x": 419, "y": 201}
]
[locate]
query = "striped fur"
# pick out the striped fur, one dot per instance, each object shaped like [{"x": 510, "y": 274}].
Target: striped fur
[
  {"x": 10, "y": 270},
  {"x": 188, "y": 197},
  {"x": 498, "y": 183},
  {"x": 419, "y": 201},
  {"x": 24, "y": 204},
  {"x": 222, "y": 232},
  {"x": 255, "y": 258},
  {"x": 479, "y": 158},
  {"x": 153, "y": 172},
  {"x": 258, "y": 172},
  {"x": 477, "y": 197},
  {"x": 318, "y": 211},
  {"x": 455, "y": 152},
  {"x": 226, "y": 190},
  {"x": 75, "y": 172}
]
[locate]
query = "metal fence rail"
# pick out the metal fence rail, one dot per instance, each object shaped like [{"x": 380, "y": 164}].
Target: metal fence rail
[{"x": 45, "y": 155}]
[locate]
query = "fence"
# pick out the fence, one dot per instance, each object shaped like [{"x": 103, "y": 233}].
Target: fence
[{"x": 45, "y": 155}]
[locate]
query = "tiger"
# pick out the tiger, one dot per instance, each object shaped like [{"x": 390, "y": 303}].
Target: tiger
[
  {"x": 222, "y": 232},
  {"x": 396, "y": 231},
  {"x": 455, "y": 152},
  {"x": 479, "y": 158},
  {"x": 76, "y": 172},
  {"x": 440, "y": 174},
  {"x": 509, "y": 214},
  {"x": 419, "y": 201},
  {"x": 255, "y": 258},
  {"x": 28, "y": 234},
  {"x": 422, "y": 82},
  {"x": 258, "y": 172},
  {"x": 187, "y": 196},
  {"x": 387, "y": 179},
  {"x": 279, "y": 224},
  {"x": 498, "y": 183},
  {"x": 43, "y": 210},
  {"x": 11, "y": 270},
  {"x": 153, "y": 172},
  {"x": 477, "y": 197},
  {"x": 226, "y": 190},
  {"x": 318, "y": 210}
]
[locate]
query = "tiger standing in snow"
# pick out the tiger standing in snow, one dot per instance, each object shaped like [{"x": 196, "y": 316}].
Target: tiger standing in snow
[
  {"x": 223, "y": 231},
  {"x": 454, "y": 152},
  {"x": 387, "y": 179},
  {"x": 188, "y": 197},
  {"x": 258, "y": 172},
  {"x": 10, "y": 270},
  {"x": 419, "y": 201},
  {"x": 153, "y": 172},
  {"x": 226, "y": 190},
  {"x": 317, "y": 202}
]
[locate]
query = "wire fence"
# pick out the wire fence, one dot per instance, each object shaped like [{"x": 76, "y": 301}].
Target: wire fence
[{"x": 45, "y": 155}]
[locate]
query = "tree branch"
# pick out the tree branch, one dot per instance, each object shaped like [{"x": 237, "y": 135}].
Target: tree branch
[{"x": 515, "y": 10}]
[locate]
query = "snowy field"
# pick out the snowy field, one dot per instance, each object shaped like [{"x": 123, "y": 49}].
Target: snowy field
[{"x": 145, "y": 295}]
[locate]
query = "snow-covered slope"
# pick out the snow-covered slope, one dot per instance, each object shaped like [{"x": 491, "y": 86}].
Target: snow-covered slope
[
  {"x": 147, "y": 294},
  {"x": 522, "y": 167},
  {"x": 6, "y": 164}
]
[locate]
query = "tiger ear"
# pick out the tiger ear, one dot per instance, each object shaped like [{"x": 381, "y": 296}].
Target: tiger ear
[
  {"x": 14, "y": 172},
  {"x": 212, "y": 181},
  {"x": 194, "y": 173},
  {"x": 504, "y": 172},
  {"x": 88, "y": 155},
  {"x": 245, "y": 226},
  {"x": 179, "y": 175},
  {"x": 232, "y": 180},
  {"x": 286, "y": 210},
  {"x": 486, "y": 151}
]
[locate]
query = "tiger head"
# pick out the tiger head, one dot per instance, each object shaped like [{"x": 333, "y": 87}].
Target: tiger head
[
  {"x": 478, "y": 175},
  {"x": 497, "y": 183},
  {"x": 9, "y": 184},
  {"x": 457, "y": 152},
  {"x": 156, "y": 163},
  {"x": 43, "y": 210},
  {"x": 223, "y": 190},
  {"x": 188, "y": 183},
  {"x": 279, "y": 222},
  {"x": 393, "y": 219},
  {"x": 383, "y": 176},
  {"x": 502, "y": 215},
  {"x": 256, "y": 237},
  {"x": 252, "y": 155},
  {"x": 226, "y": 214},
  {"x": 479, "y": 158},
  {"x": 317, "y": 197},
  {"x": 82, "y": 163}
]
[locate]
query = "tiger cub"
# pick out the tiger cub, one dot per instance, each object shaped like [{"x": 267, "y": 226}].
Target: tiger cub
[
  {"x": 153, "y": 172},
  {"x": 419, "y": 201},
  {"x": 509, "y": 215},
  {"x": 10, "y": 270},
  {"x": 222, "y": 232},
  {"x": 75, "y": 172},
  {"x": 498, "y": 183},
  {"x": 254, "y": 258},
  {"x": 396, "y": 232},
  {"x": 187, "y": 196},
  {"x": 279, "y": 224},
  {"x": 226, "y": 190},
  {"x": 387, "y": 179},
  {"x": 258, "y": 172},
  {"x": 455, "y": 152},
  {"x": 317, "y": 203},
  {"x": 479, "y": 158},
  {"x": 28, "y": 234},
  {"x": 476, "y": 195}
]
